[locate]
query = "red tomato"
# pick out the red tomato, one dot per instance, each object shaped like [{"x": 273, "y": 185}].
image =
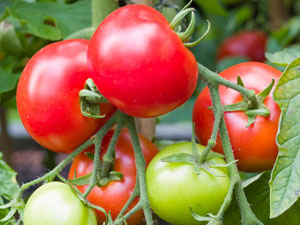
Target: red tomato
[
  {"x": 48, "y": 96},
  {"x": 113, "y": 196},
  {"x": 139, "y": 63},
  {"x": 250, "y": 44},
  {"x": 254, "y": 146}
]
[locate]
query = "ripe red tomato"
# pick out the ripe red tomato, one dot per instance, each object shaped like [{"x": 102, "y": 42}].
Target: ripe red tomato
[
  {"x": 254, "y": 146},
  {"x": 250, "y": 44},
  {"x": 113, "y": 196},
  {"x": 48, "y": 96},
  {"x": 139, "y": 63}
]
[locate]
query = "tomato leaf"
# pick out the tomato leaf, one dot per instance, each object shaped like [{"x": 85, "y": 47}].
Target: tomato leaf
[
  {"x": 50, "y": 20},
  {"x": 214, "y": 6},
  {"x": 8, "y": 183},
  {"x": 258, "y": 194},
  {"x": 284, "y": 57},
  {"x": 8, "y": 84},
  {"x": 285, "y": 178}
]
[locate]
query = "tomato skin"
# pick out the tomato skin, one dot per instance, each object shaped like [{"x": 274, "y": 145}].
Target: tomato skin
[
  {"x": 134, "y": 51},
  {"x": 55, "y": 203},
  {"x": 255, "y": 146},
  {"x": 175, "y": 187},
  {"x": 250, "y": 44},
  {"x": 113, "y": 196},
  {"x": 48, "y": 96}
]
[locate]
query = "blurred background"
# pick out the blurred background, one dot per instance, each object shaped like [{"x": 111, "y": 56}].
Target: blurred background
[{"x": 241, "y": 30}]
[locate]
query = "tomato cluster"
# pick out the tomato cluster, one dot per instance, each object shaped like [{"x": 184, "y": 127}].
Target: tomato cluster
[{"x": 141, "y": 66}]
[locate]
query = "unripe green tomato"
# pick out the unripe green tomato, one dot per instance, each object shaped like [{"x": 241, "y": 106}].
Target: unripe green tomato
[
  {"x": 175, "y": 188},
  {"x": 55, "y": 204}
]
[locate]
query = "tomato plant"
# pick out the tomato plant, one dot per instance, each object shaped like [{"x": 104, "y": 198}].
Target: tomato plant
[
  {"x": 113, "y": 196},
  {"x": 175, "y": 188},
  {"x": 134, "y": 51},
  {"x": 55, "y": 203},
  {"x": 250, "y": 44},
  {"x": 254, "y": 146},
  {"x": 48, "y": 96}
]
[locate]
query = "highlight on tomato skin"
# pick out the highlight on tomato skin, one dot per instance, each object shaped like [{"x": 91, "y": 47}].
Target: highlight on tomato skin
[
  {"x": 140, "y": 64},
  {"x": 255, "y": 146},
  {"x": 250, "y": 44},
  {"x": 48, "y": 96},
  {"x": 115, "y": 194}
]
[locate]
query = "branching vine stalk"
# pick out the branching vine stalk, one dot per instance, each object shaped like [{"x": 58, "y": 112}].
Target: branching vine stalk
[{"x": 213, "y": 81}]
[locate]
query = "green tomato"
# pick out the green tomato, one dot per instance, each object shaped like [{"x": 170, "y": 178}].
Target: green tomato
[
  {"x": 175, "y": 188},
  {"x": 55, "y": 204}
]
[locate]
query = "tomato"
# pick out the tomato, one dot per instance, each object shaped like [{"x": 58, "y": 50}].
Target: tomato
[
  {"x": 254, "y": 146},
  {"x": 250, "y": 44},
  {"x": 113, "y": 196},
  {"x": 139, "y": 63},
  {"x": 48, "y": 96},
  {"x": 55, "y": 203},
  {"x": 174, "y": 188}
]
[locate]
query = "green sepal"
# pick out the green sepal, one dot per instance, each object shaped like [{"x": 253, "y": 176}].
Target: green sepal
[
  {"x": 262, "y": 95},
  {"x": 113, "y": 176},
  {"x": 192, "y": 44},
  {"x": 90, "y": 99},
  {"x": 212, "y": 219},
  {"x": 90, "y": 155},
  {"x": 83, "y": 180},
  {"x": 180, "y": 158},
  {"x": 240, "y": 106},
  {"x": 185, "y": 36},
  {"x": 181, "y": 14}
]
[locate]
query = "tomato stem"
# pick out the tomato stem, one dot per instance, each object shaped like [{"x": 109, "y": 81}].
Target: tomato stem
[
  {"x": 248, "y": 217},
  {"x": 217, "y": 109},
  {"x": 140, "y": 166},
  {"x": 134, "y": 194},
  {"x": 108, "y": 158},
  {"x": 98, "y": 140},
  {"x": 101, "y": 9}
]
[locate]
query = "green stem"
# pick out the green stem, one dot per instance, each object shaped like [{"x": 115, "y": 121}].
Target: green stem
[
  {"x": 140, "y": 166},
  {"x": 217, "y": 109},
  {"x": 57, "y": 169},
  {"x": 108, "y": 158},
  {"x": 101, "y": 9},
  {"x": 248, "y": 217},
  {"x": 134, "y": 194},
  {"x": 98, "y": 140},
  {"x": 214, "y": 79}
]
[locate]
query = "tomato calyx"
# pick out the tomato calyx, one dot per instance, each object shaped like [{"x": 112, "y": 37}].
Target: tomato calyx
[
  {"x": 188, "y": 32},
  {"x": 194, "y": 159},
  {"x": 210, "y": 218},
  {"x": 101, "y": 181},
  {"x": 102, "y": 178},
  {"x": 250, "y": 107},
  {"x": 90, "y": 99}
]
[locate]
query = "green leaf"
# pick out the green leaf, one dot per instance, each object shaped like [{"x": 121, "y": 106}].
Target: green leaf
[
  {"x": 284, "y": 57},
  {"x": 50, "y": 20},
  {"x": 83, "y": 180},
  {"x": 8, "y": 182},
  {"x": 8, "y": 84},
  {"x": 284, "y": 184},
  {"x": 258, "y": 195},
  {"x": 214, "y": 6}
]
